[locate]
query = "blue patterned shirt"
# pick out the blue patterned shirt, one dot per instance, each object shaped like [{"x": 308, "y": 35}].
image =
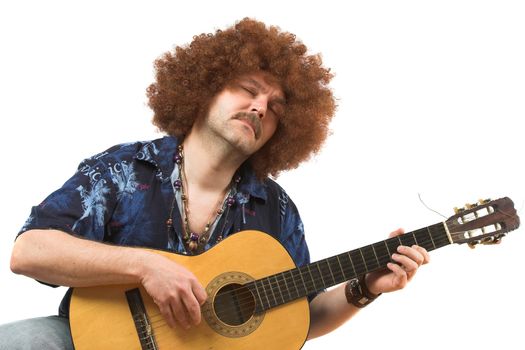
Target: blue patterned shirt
[{"x": 124, "y": 196}]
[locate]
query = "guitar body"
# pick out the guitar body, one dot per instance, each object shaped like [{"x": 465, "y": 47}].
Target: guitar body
[{"x": 100, "y": 317}]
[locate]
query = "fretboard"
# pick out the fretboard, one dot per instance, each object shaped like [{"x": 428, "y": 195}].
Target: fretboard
[{"x": 293, "y": 284}]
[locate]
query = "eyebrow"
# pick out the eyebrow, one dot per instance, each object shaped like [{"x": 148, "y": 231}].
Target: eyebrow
[{"x": 280, "y": 100}]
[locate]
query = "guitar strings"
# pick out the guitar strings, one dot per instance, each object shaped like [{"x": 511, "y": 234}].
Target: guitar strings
[{"x": 246, "y": 298}]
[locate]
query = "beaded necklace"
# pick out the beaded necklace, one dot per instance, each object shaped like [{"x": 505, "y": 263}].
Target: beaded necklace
[{"x": 194, "y": 241}]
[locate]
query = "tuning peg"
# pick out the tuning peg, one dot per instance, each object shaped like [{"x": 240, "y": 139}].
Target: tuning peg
[
  {"x": 493, "y": 240},
  {"x": 483, "y": 201},
  {"x": 473, "y": 244},
  {"x": 458, "y": 210},
  {"x": 470, "y": 206}
]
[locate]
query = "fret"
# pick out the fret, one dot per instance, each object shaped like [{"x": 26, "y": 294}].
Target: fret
[
  {"x": 437, "y": 236},
  {"x": 375, "y": 254},
  {"x": 424, "y": 238},
  {"x": 279, "y": 288},
  {"x": 321, "y": 274},
  {"x": 342, "y": 270},
  {"x": 304, "y": 284},
  {"x": 331, "y": 272},
  {"x": 262, "y": 303},
  {"x": 442, "y": 237},
  {"x": 271, "y": 290},
  {"x": 358, "y": 262},
  {"x": 393, "y": 243},
  {"x": 368, "y": 255},
  {"x": 415, "y": 238},
  {"x": 295, "y": 284},
  {"x": 383, "y": 254},
  {"x": 347, "y": 265},
  {"x": 311, "y": 276},
  {"x": 408, "y": 239},
  {"x": 387, "y": 248},
  {"x": 286, "y": 286}
]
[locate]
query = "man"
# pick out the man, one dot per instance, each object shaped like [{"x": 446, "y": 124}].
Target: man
[{"x": 239, "y": 105}]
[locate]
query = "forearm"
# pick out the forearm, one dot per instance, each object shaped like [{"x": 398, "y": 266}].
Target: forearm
[
  {"x": 59, "y": 258},
  {"x": 328, "y": 311}
]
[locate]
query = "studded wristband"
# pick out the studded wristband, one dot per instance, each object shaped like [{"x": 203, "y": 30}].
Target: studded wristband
[{"x": 358, "y": 294}]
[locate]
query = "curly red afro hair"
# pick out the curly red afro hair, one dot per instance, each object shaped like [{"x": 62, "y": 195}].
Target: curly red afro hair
[{"x": 189, "y": 78}]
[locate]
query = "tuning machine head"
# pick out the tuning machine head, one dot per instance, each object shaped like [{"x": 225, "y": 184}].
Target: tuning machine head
[
  {"x": 491, "y": 240},
  {"x": 458, "y": 210},
  {"x": 471, "y": 205},
  {"x": 483, "y": 201}
]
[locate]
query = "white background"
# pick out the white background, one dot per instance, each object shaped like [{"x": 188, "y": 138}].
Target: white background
[{"x": 430, "y": 98}]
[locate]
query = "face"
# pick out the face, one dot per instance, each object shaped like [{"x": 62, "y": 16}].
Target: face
[{"x": 246, "y": 113}]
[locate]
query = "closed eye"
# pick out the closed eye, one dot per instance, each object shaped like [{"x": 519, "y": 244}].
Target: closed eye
[
  {"x": 249, "y": 90},
  {"x": 277, "y": 107}
]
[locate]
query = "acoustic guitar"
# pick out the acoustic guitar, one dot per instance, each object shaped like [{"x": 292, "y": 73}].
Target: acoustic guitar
[{"x": 256, "y": 294}]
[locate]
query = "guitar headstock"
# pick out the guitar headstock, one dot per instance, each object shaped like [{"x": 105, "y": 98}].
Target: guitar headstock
[{"x": 485, "y": 222}]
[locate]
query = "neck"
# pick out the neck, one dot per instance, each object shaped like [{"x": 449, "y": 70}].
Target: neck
[{"x": 209, "y": 166}]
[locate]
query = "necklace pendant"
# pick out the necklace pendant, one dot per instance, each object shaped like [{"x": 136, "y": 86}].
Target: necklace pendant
[{"x": 193, "y": 246}]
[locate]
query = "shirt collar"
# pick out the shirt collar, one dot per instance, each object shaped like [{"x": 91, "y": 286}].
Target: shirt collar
[{"x": 160, "y": 154}]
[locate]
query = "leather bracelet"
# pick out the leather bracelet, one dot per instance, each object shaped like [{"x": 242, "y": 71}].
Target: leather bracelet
[{"x": 357, "y": 293}]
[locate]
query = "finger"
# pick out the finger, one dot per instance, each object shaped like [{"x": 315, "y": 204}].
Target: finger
[
  {"x": 400, "y": 275},
  {"x": 193, "y": 309},
  {"x": 412, "y": 253},
  {"x": 165, "y": 311},
  {"x": 397, "y": 232},
  {"x": 179, "y": 312},
  {"x": 396, "y": 269},
  {"x": 200, "y": 293},
  {"x": 408, "y": 264},
  {"x": 423, "y": 251}
]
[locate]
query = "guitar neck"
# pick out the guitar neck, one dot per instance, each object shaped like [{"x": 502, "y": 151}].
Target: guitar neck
[{"x": 293, "y": 284}]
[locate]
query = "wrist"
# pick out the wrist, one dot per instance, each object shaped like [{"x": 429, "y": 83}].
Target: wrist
[
  {"x": 358, "y": 294},
  {"x": 370, "y": 287},
  {"x": 140, "y": 264}
]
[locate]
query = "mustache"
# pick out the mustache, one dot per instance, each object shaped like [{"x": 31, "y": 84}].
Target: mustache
[{"x": 252, "y": 119}]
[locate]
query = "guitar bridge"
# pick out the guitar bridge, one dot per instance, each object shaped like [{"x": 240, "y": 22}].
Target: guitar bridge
[{"x": 141, "y": 320}]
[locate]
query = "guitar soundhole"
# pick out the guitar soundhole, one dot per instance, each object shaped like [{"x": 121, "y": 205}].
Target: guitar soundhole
[{"x": 234, "y": 304}]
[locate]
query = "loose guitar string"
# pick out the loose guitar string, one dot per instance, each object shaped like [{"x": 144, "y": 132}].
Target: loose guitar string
[{"x": 246, "y": 297}]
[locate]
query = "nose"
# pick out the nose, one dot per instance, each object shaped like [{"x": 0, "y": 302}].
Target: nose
[{"x": 259, "y": 106}]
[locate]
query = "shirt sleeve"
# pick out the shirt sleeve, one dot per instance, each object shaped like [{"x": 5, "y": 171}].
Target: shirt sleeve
[
  {"x": 82, "y": 206},
  {"x": 292, "y": 231}
]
